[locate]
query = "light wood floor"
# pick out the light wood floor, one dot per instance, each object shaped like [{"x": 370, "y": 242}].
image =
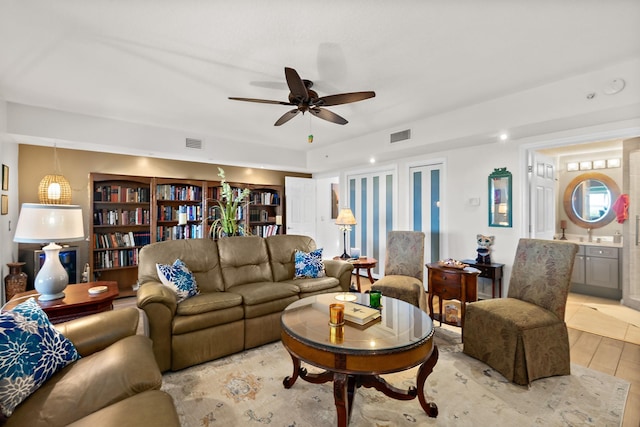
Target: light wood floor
[{"x": 604, "y": 336}]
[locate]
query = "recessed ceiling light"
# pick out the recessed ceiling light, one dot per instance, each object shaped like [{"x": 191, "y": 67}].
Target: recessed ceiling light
[
  {"x": 372, "y": 160},
  {"x": 504, "y": 136}
]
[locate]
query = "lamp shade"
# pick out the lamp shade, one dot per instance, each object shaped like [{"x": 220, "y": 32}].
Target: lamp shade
[
  {"x": 345, "y": 217},
  {"x": 49, "y": 223}
]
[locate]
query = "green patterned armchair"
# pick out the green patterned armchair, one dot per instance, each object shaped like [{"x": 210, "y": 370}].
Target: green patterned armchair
[
  {"x": 404, "y": 268},
  {"x": 524, "y": 336}
]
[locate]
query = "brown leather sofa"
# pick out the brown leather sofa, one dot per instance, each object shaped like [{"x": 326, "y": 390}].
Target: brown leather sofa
[
  {"x": 115, "y": 383},
  {"x": 245, "y": 283}
]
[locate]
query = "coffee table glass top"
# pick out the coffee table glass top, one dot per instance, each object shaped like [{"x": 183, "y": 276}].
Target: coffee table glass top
[{"x": 401, "y": 325}]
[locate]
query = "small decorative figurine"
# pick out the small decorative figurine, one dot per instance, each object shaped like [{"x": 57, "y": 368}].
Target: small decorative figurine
[{"x": 484, "y": 249}]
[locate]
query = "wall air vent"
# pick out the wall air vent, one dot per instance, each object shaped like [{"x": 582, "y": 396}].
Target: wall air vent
[
  {"x": 400, "y": 136},
  {"x": 194, "y": 143}
]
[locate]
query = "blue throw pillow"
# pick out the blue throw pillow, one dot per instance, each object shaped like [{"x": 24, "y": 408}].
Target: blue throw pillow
[
  {"x": 178, "y": 278},
  {"x": 31, "y": 351},
  {"x": 309, "y": 265}
]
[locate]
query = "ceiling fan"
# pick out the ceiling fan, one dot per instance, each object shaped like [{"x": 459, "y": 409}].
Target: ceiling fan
[{"x": 304, "y": 99}]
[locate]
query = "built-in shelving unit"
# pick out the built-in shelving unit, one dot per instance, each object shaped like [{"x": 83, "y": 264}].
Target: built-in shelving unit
[{"x": 132, "y": 211}]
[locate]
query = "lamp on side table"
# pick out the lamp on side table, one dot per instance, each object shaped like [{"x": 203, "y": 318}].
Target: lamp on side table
[
  {"x": 345, "y": 220},
  {"x": 50, "y": 224}
]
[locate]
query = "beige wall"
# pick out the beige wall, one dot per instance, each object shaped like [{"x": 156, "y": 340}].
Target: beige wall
[{"x": 34, "y": 162}]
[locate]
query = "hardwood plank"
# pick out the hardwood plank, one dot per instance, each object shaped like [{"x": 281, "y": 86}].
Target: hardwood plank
[
  {"x": 574, "y": 335},
  {"x": 607, "y": 355},
  {"x": 631, "y": 352},
  {"x": 583, "y": 350},
  {"x": 632, "y": 408}
]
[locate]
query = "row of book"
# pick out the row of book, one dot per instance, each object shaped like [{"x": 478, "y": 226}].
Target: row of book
[
  {"x": 259, "y": 215},
  {"x": 121, "y": 239},
  {"x": 115, "y": 258},
  {"x": 120, "y": 194},
  {"x": 138, "y": 216},
  {"x": 170, "y": 213},
  {"x": 265, "y": 198},
  {"x": 265, "y": 230},
  {"x": 214, "y": 212},
  {"x": 190, "y": 231},
  {"x": 178, "y": 192}
]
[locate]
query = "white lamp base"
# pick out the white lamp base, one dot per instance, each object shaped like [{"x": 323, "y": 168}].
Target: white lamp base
[{"x": 52, "y": 278}]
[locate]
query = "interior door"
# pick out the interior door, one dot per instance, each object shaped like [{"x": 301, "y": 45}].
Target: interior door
[
  {"x": 542, "y": 192},
  {"x": 300, "y": 203}
]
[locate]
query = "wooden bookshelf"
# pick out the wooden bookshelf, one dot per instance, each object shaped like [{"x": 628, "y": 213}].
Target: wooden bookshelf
[
  {"x": 129, "y": 212},
  {"x": 120, "y": 226}
]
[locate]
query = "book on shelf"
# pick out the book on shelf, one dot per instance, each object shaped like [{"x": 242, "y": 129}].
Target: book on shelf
[{"x": 359, "y": 314}]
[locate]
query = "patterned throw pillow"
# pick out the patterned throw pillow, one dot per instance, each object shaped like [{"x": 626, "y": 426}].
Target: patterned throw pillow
[
  {"x": 31, "y": 351},
  {"x": 178, "y": 278},
  {"x": 309, "y": 265}
]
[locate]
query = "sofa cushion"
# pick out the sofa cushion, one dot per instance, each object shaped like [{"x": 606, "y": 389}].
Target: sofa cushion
[
  {"x": 31, "y": 351},
  {"x": 282, "y": 250},
  {"x": 123, "y": 369},
  {"x": 210, "y": 301},
  {"x": 178, "y": 278},
  {"x": 201, "y": 255},
  {"x": 244, "y": 260},
  {"x": 261, "y": 292},
  {"x": 315, "y": 285},
  {"x": 309, "y": 264}
]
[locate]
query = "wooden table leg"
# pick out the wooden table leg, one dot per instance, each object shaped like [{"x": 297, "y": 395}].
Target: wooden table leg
[
  {"x": 370, "y": 276},
  {"x": 358, "y": 278},
  {"x": 289, "y": 381},
  {"x": 342, "y": 399},
  {"x": 425, "y": 370}
]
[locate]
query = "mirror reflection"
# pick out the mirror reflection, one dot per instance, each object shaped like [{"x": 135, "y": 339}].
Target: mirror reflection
[
  {"x": 591, "y": 200},
  {"x": 500, "y": 198}
]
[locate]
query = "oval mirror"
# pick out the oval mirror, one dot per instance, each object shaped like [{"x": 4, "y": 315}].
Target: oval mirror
[{"x": 588, "y": 200}]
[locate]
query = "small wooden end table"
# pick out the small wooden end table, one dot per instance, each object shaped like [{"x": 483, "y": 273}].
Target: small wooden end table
[
  {"x": 451, "y": 283},
  {"x": 491, "y": 271},
  {"x": 77, "y": 301},
  {"x": 358, "y": 263}
]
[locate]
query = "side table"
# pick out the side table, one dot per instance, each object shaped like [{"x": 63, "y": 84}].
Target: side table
[
  {"x": 491, "y": 271},
  {"x": 451, "y": 283},
  {"x": 77, "y": 301},
  {"x": 358, "y": 263}
]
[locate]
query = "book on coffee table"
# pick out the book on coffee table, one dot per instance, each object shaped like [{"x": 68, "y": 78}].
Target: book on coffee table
[{"x": 359, "y": 314}]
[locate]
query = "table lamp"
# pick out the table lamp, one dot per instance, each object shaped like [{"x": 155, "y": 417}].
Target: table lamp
[
  {"x": 345, "y": 220},
  {"x": 50, "y": 224}
]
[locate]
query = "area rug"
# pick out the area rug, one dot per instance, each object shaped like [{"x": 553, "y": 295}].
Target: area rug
[{"x": 246, "y": 390}]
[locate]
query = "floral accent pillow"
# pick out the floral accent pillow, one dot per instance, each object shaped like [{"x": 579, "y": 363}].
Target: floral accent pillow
[
  {"x": 309, "y": 265},
  {"x": 31, "y": 351},
  {"x": 179, "y": 279}
]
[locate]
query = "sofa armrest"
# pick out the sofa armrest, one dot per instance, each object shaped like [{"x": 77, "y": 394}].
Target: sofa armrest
[
  {"x": 96, "y": 332},
  {"x": 159, "y": 304},
  {"x": 341, "y": 270}
]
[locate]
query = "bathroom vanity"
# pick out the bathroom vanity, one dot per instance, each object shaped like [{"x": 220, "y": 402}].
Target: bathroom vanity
[{"x": 597, "y": 270}]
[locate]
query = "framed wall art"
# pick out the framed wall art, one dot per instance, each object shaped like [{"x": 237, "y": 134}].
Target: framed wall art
[{"x": 5, "y": 177}]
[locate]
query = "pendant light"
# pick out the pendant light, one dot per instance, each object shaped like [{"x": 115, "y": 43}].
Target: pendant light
[{"x": 54, "y": 189}]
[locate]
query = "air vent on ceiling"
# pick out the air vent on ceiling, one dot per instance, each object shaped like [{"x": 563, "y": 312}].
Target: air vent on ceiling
[
  {"x": 401, "y": 136},
  {"x": 194, "y": 143}
]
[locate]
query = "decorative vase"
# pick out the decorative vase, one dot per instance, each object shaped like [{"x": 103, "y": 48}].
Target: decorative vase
[{"x": 16, "y": 281}]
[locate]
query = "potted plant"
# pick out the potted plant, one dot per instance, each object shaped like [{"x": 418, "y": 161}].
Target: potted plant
[{"x": 226, "y": 223}]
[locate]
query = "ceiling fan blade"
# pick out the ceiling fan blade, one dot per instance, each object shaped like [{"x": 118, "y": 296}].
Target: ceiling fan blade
[
  {"x": 295, "y": 83},
  {"x": 328, "y": 115},
  {"x": 344, "y": 98},
  {"x": 286, "y": 117},
  {"x": 262, "y": 101}
]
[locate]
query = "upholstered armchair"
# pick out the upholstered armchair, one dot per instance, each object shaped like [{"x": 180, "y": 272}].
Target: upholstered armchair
[
  {"x": 524, "y": 336},
  {"x": 404, "y": 268}
]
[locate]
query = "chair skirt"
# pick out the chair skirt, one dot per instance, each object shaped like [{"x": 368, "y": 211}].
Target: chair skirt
[{"x": 522, "y": 341}]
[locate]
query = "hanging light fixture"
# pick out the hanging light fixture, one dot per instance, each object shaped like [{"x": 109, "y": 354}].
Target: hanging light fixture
[{"x": 54, "y": 189}]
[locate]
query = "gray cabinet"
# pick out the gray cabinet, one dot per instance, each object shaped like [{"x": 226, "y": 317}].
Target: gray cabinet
[{"x": 596, "y": 271}]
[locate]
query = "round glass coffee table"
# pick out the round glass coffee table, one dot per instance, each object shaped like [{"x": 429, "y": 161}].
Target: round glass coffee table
[{"x": 355, "y": 355}]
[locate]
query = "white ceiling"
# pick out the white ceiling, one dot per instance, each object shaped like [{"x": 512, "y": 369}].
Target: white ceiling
[{"x": 173, "y": 64}]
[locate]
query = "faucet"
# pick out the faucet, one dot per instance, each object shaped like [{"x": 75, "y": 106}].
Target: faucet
[{"x": 589, "y": 234}]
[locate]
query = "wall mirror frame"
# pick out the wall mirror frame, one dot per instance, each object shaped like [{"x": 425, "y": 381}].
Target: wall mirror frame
[
  {"x": 500, "y": 206},
  {"x": 587, "y": 186}
]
